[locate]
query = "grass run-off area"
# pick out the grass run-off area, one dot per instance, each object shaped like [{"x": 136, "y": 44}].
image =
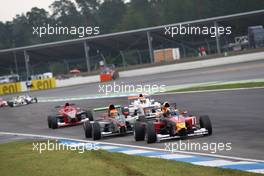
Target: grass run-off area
[
  {"x": 221, "y": 87},
  {"x": 18, "y": 158}
]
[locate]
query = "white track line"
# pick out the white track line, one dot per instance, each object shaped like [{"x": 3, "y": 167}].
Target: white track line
[
  {"x": 215, "y": 163},
  {"x": 133, "y": 152},
  {"x": 133, "y": 146},
  {"x": 161, "y": 93},
  {"x": 204, "y": 91},
  {"x": 170, "y": 156},
  {"x": 257, "y": 171}
]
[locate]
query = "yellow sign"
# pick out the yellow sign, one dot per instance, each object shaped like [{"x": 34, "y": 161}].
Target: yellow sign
[
  {"x": 10, "y": 88},
  {"x": 43, "y": 84}
]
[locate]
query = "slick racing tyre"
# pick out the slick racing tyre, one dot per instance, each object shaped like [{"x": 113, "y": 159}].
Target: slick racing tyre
[
  {"x": 206, "y": 123},
  {"x": 139, "y": 132},
  {"x": 49, "y": 121},
  {"x": 115, "y": 75},
  {"x": 53, "y": 122},
  {"x": 35, "y": 100},
  {"x": 11, "y": 104},
  {"x": 87, "y": 126},
  {"x": 96, "y": 131},
  {"x": 151, "y": 135},
  {"x": 89, "y": 115}
]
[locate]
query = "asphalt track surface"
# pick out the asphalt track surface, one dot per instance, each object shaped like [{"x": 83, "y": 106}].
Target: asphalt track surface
[{"x": 237, "y": 116}]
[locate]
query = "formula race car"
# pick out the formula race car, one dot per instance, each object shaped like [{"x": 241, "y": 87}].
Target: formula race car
[
  {"x": 108, "y": 73},
  {"x": 143, "y": 105},
  {"x": 3, "y": 103},
  {"x": 22, "y": 100},
  {"x": 68, "y": 115},
  {"x": 173, "y": 125},
  {"x": 110, "y": 121}
]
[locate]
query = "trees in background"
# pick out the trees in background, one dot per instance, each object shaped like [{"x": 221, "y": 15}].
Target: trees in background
[{"x": 113, "y": 16}]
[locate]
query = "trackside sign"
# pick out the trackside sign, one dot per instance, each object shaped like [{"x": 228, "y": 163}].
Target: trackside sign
[
  {"x": 43, "y": 84},
  {"x": 10, "y": 88}
]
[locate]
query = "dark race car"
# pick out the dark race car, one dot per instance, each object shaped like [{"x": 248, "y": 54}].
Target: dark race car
[
  {"x": 172, "y": 126},
  {"x": 68, "y": 115},
  {"x": 109, "y": 121}
]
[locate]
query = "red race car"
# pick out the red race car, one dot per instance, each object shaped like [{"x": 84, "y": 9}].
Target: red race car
[
  {"x": 172, "y": 126},
  {"x": 68, "y": 115},
  {"x": 108, "y": 73},
  {"x": 3, "y": 103}
]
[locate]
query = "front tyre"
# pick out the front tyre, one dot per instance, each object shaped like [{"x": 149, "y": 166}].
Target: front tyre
[
  {"x": 53, "y": 122},
  {"x": 87, "y": 126},
  {"x": 139, "y": 133},
  {"x": 89, "y": 115},
  {"x": 96, "y": 131},
  {"x": 206, "y": 123},
  {"x": 151, "y": 133}
]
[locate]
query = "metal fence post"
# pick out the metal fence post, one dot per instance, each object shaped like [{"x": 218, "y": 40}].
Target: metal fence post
[
  {"x": 123, "y": 58},
  {"x": 150, "y": 47},
  {"x": 87, "y": 57},
  {"x": 217, "y": 38},
  {"x": 26, "y": 64}
]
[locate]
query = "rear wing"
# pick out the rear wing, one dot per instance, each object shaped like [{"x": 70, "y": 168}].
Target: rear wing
[
  {"x": 105, "y": 108},
  {"x": 132, "y": 97},
  {"x": 137, "y": 97}
]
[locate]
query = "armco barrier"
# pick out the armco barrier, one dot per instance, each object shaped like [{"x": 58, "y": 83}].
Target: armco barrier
[{"x": 10, "y": 88}]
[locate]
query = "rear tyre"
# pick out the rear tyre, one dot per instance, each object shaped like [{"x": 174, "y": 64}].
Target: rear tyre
[
  {"x": 206, "y": 123},
  {"x": 96, "y": 131},
  {"x": 139, "y": 133},
  {"x": 151, "y": 133},
  {"x": 11, "y": 104},
  {"x": 87, "y": 126},
  {"x": 53, "y": 122},
  {"x": 35, "y": 100},
  {"x": 115, "y": 75}
]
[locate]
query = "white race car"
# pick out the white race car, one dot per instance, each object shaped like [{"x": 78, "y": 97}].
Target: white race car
[
  {"x": 22, "y": 100},
  {"x": 143, "y": 105}
]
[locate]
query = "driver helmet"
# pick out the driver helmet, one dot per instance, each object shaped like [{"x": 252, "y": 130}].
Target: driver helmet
[
  {"x": 66, "y": 105},
  {"x": 165, "y": 107},
  {"x": 110, "y": 108},
  {"x": 142, "y": 99},
  {"x": 113, "y": 113}
]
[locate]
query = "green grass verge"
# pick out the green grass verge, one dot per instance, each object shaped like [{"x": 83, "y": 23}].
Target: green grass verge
[
  {"x": 18, "y": 158},
  {"x": 222, "y": 86}
]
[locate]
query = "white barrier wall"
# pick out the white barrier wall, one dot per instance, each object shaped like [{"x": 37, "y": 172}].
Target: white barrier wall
[
  {"x": 194, "y": 64},
  {"x": 77, "y": 80}
]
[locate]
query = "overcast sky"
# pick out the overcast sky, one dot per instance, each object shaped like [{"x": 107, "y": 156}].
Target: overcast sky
[{"x": 9, "y": 8}]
